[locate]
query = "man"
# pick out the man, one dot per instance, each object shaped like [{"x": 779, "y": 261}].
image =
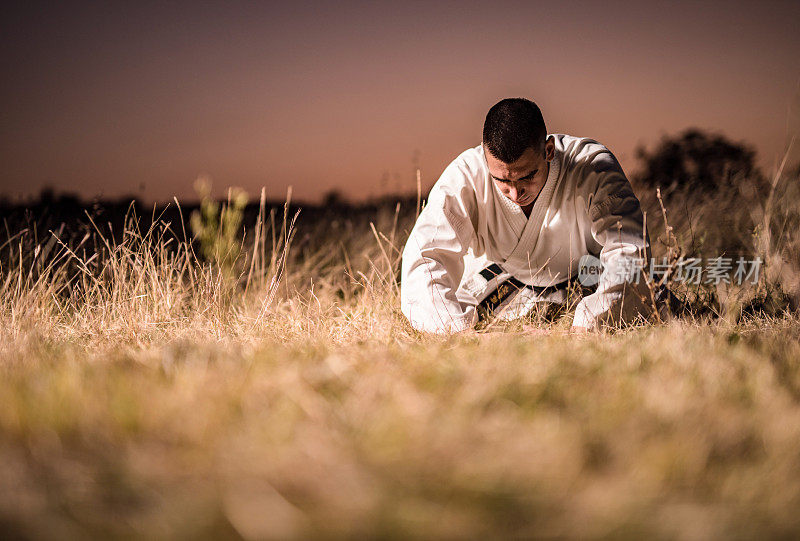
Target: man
[{"x": 508, "y": 222}]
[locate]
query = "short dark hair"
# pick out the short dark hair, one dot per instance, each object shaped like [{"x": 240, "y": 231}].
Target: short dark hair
[{"x": 512, "y": 126}]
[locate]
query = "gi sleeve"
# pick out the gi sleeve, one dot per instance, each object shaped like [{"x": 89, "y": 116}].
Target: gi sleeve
[
  {"x": 433, "y": 259},
  {"x": 617, "y": 225}
]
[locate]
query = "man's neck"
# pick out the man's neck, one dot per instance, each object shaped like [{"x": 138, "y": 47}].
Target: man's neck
[{"x": 528, "y": 208}]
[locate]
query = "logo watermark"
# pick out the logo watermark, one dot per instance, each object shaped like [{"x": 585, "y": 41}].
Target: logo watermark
[{"x": 589, "y": 270}]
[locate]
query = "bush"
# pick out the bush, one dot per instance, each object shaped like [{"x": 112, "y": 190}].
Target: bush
[{"x": 695, "y": 160}]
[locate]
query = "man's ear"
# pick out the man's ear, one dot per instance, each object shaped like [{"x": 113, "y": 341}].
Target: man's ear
[{"x": 549, "y": 149}]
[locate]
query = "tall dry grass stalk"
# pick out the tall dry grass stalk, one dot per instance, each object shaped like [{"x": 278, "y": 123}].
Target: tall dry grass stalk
[
  {"x": 147, "y": 283},
  {"x": 744, "y": 220}
]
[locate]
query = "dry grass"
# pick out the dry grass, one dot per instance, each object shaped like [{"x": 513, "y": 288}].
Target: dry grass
[{"x": 144, "y": 393}]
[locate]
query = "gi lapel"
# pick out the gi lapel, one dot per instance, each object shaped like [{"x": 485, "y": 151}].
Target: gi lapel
[
  {"x": 530, "y": 235},
  {"x": 510, "y": 211}
]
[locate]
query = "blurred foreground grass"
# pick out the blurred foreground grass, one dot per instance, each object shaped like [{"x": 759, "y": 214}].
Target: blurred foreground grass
[{"x": 670, "y": 432}]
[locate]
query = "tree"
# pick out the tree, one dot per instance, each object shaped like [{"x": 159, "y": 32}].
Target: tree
[{"x": 696, "y": 160}]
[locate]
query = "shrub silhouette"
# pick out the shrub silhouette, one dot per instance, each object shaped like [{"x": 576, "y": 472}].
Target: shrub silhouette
[{"x": 695, "y": 160}]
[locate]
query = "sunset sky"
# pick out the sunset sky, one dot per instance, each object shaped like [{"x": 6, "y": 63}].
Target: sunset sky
[{"x": 141, "y": 99}]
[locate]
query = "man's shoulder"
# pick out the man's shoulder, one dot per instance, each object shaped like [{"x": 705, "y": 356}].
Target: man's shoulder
[
  {"x": 584, "y": 152},
  {"x": 467, "y": 170},
  {"x": 471, "y": 161},
  {"x": 578, "y": 148}
]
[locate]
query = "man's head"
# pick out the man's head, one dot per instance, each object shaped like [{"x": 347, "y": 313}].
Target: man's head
[{"x": 517, "y": 150}]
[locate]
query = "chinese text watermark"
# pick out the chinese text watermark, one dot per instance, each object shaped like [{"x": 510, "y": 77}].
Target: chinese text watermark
[{"x": 690, "y": 270}]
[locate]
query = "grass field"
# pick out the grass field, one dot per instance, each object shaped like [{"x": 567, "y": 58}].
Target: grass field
[{"x": 148, "y": 392}]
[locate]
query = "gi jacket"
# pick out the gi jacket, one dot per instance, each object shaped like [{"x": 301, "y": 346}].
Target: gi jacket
[{"x": 586, "y": 206}]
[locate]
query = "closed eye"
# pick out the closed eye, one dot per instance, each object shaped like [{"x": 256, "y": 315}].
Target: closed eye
[{"x": 529, "y": 176}]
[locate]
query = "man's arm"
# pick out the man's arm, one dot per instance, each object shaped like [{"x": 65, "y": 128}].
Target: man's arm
[
  {"x": 617, "y": 225},
  {"x": 433, "y": 261}
]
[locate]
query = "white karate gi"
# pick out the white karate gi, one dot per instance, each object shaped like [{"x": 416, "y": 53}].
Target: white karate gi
[{"x": 586, "y": 206}]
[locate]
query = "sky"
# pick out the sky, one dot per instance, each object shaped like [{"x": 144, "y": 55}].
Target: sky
[{"x": 143, "y": 98}]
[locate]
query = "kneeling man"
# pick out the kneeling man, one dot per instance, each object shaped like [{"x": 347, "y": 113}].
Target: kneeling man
[{"x": 509, "y": 223}]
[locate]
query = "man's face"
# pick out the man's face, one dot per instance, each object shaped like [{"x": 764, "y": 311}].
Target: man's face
[{"x": 522, "y": 180}]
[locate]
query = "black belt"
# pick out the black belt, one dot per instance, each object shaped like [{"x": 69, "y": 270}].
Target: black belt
[{"x": 508, "y": 287}]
